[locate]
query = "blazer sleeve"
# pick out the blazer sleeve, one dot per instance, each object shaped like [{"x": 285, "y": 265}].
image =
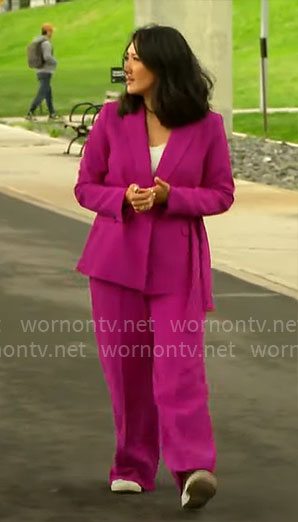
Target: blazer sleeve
[
  {"x": 216, "y": 192},
  {"x": 90, "y": 190}
]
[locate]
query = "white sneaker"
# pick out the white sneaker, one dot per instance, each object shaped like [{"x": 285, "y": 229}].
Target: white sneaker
[
  {"x": 199, "y": 487},
  {"x": 125, "y": 486}
]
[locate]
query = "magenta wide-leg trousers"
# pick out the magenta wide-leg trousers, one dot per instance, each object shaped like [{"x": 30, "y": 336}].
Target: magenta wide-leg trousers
[{"x": 155, "y": 373}]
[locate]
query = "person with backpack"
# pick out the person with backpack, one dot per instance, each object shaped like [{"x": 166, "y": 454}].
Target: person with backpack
[{"x": 40, "y": 57}]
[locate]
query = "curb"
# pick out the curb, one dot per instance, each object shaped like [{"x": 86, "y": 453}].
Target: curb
[
  {"x": 269, "y": 140},
  {"x": 244, "y": 275}
]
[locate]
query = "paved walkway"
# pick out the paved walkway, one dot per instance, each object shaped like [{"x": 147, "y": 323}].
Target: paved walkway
[
  {"x": 270, "y": 110},
  {"x": 256, "y": 240},
  {"x": 41, "y": 119},
  {"x": 56, "y": 424}
]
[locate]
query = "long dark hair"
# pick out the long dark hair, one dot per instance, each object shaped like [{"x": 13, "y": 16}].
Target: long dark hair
[{"x": 182, "y": 89}]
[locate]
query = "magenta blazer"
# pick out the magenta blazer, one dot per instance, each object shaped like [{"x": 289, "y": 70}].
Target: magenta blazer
[{"x": 165, "y": 248}]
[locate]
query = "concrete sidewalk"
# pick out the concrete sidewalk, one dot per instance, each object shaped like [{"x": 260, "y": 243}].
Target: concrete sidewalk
[
  {"x": 256, "y": 240},
  {"x": 76, "y": 117}
]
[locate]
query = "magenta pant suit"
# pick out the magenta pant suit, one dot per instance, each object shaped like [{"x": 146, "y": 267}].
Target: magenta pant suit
[{"x": 151, "y": 286}]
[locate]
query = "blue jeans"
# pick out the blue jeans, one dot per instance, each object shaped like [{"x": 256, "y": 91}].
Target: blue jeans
[{"x": 44, "y": 92}]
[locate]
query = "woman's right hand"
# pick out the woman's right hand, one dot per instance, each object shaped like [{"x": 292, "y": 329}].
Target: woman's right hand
[
  {"x": 130, "y": 193},
  {"x": 141, "y": 199}
]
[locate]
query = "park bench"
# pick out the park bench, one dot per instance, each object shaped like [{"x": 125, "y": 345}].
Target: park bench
[{"x": 82, "y": 123}]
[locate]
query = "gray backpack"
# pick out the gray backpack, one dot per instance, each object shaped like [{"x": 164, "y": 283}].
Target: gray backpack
[{"x": 34, "y": 54}]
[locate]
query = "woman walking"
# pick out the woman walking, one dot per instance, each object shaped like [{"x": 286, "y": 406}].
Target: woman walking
[{"x": 156, "y": 162}]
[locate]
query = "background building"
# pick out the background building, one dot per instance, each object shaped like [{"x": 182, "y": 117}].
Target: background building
[
  {"x": 207, "y": 25},
  {"x": 13, "y": 5}
]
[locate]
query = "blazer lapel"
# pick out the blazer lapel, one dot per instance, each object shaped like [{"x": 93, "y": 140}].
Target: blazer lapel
[
  {"x": 135, "y": 127},
  {"x": 177, "y": 145}
]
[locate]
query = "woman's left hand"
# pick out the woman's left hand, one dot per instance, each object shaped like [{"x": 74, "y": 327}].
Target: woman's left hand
[{"x": 161, "y": 189}]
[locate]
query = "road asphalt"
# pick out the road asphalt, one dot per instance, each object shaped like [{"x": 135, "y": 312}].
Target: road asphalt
[{"x": 57, "y": 438}]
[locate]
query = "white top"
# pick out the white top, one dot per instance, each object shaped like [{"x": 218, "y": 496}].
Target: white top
[{"x": 156, "y": 154}]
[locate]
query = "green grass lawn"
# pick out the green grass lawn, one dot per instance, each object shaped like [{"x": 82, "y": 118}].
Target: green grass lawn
[
  {"x": 90, "y": 38},
  {"x": 280, "y": 126},
  {"x": 282, "y": 53}
]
